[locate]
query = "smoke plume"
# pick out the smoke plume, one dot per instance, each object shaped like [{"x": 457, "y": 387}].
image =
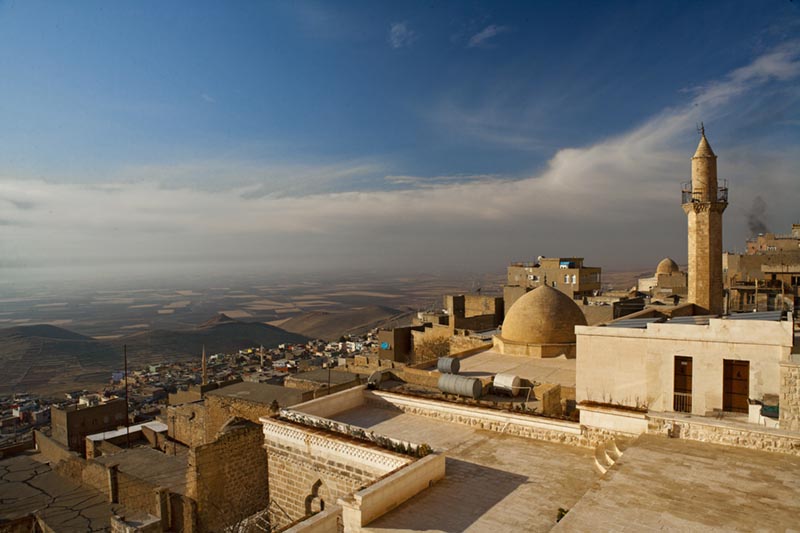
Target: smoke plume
[{"x": 755, "y": 217}]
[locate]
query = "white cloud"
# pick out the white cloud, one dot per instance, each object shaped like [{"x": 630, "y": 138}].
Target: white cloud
[
  {"x": 482, "y": 37},
  {"x": 400, "y": 35},
  {"x": 614, "y": 202},
  {"x": 208, "y": 98}
]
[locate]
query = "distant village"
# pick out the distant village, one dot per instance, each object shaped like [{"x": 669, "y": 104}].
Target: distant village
[{"x": 149, "y": 387}]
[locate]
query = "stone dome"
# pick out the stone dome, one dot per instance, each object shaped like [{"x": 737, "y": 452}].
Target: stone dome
[
  {"x": 543, "y": 316},
  {"x": 667, "y": 266}
]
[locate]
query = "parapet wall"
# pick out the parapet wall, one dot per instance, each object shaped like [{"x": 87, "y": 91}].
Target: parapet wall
[
  {"x": 755, "y": 439},
  {"x": 312, "y": 468},
  {"x": 539, "y": 428}
]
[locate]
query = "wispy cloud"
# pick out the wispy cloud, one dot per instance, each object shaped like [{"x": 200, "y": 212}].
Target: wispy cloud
[
  {"x": 208, "y": 98},
  {"x": 400, "y": 35},
  {"x": 601, "y": 201},
  {"x": 482, "y": 37}
]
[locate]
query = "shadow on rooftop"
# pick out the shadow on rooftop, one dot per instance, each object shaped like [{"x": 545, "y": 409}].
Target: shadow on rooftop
[
  {"x": 366, "y": 417},
  {"x": 457, "y": 502}
]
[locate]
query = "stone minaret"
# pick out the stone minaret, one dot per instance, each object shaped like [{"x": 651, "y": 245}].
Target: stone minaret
[{"x": 704, "y": 203}]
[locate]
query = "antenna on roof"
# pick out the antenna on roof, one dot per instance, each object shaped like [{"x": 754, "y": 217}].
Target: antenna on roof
[{"x": 701, "y": 129}]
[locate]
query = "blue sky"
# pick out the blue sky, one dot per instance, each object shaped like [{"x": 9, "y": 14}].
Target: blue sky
[{"x": 316, "y": 131}]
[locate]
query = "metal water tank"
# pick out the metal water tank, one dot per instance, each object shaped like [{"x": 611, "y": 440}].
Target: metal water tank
[
  {"x": 461, "y": 385},
  {"x": 507, "y": 383},
  {"x": 448, "y": 365}
]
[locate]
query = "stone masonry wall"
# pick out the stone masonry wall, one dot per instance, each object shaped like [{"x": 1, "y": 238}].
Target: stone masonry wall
[
  {"x": 790, "y": 396},
  {"x": 135, "y": 493},
  {"x": 186, "y": 423},
  {"x": 309, "y": 469},
  {"x": 221, "y": 409},
  {"x": 769, "y": 441},
  {"x": 228, "y": 477},
  {"x": 525, "y": 426}
]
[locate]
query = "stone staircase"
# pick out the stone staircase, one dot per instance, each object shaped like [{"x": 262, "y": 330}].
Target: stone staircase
[{"x": 606, "y": 454}]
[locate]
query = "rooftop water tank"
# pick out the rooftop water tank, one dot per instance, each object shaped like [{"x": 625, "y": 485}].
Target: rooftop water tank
[
  {"x": 448, "y": 365},
  {"x": 461, "y": 385},
  {"x": 507, "y": 383}
]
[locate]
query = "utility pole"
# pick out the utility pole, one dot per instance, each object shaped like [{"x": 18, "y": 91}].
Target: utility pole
[{"x": 127, "y": 406}]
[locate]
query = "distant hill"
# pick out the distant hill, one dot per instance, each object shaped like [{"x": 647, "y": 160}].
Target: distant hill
[
  {"x": 332, "y": 325},
  {"x": 44, "y": 358},
  {"x": 40, "y": 356},
  {"x": 219, "y": 334}
]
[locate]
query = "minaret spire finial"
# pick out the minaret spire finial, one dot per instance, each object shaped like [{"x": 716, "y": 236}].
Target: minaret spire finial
[{"x": 701, "y": 129}]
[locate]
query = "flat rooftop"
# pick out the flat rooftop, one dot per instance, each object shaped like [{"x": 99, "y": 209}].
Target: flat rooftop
[
  {"x": 558, "y": 370},
  {"x": 337, "y": 377},
  {"x": 28, "y": 485},
  {"x": 149, "y": 464},
  {"x": 262, "y": 393},
  {"x": 494, "y": 482},
  {"x": 662, "y": 484}
]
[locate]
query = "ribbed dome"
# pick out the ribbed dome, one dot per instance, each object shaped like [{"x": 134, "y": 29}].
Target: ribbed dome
[
  {"x": 543, "y": 316},
  {"x": 704, "y": 149},
  {"x": 667, "y": 266}
]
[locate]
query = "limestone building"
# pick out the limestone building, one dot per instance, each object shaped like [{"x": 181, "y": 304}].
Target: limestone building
[
  {"x": 567, "y": 274},
  {"x": 668, "y": 280},
  {"x": 704, "y": 202},
  {"x": 691, "y": 360},
  {"x": 767, "y": 277},
  {"x": 769, "y": 243}
]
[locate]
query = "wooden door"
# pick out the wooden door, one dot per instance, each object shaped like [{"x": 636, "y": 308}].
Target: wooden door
[{"x": 735, "y": 385}]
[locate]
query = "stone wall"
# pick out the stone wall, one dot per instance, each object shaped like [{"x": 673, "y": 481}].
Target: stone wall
[
  {"x": 531, "y": 427},
  {"x": 186, "y": 423},
  {"x": 228, "y": 477},
  {"x": 716, "y": 433},
  {"x": 136, "y": 493},
  {"x": 221, "y": 409},
  {"x": 462, "y": 343},
  {"x": 68, "y": 464},
  {"x": 790, "y": 396},
  {"x": 311, "y": 468}
]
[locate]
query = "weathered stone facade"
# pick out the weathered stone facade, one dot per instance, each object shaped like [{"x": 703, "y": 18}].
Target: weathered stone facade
[
  {"x": 312, "y": 468},
  {"x": 790, "y": 396},
  {"x": 755, "y": 439},
  {"x": 186, "y": 423},
  {"x": 228, "y": 477}
]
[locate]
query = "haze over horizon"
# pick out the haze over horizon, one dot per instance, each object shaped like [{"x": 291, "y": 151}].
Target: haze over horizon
[{"x": 308, "y": 137}]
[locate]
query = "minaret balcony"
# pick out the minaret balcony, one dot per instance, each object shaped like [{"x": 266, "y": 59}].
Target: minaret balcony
[{"x": 690, "y": 195}]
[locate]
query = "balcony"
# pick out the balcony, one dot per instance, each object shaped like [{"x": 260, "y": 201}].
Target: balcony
[
  {"x": 682, "y": 402},
  {"x": 688, "y": 195}
]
